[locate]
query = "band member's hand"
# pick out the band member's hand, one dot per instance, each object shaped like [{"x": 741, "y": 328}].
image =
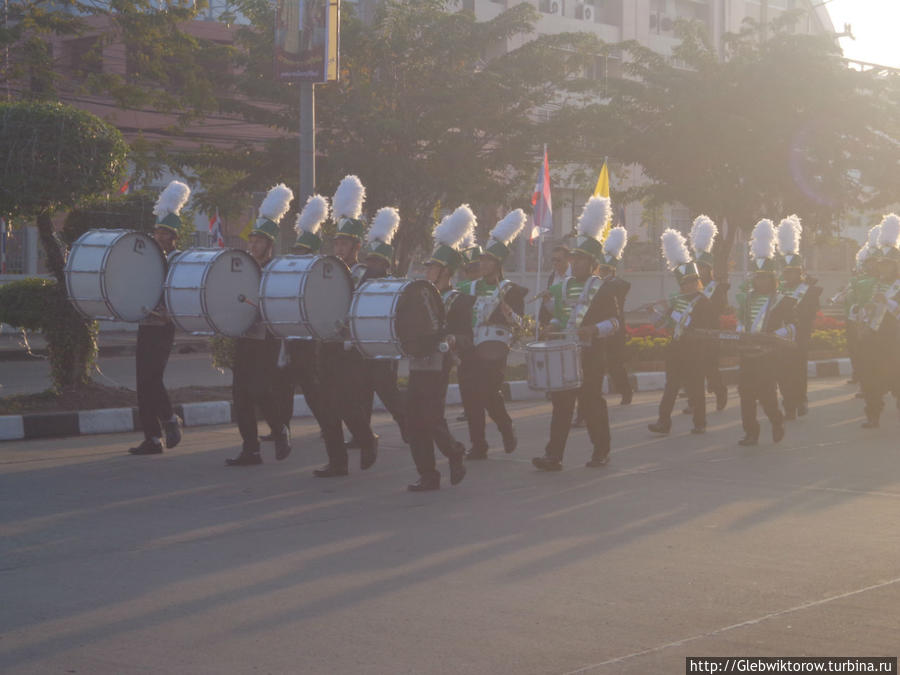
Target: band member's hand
[{"x": 586, "y": 333}]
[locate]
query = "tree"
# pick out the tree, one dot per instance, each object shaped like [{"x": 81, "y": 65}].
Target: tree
[
  {"x": 55, "y": 156},
  {"x": 770, "y": 129}
]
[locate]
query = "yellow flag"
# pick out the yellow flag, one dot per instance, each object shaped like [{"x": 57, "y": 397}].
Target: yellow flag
[
  {"x": 602, "y": 189},
  {"x": 245, "y": 233}
]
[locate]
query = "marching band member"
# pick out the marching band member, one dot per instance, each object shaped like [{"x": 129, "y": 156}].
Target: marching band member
[
  {"x": 429, "y": 375},
  {"x": 802, "y": 289},
  {"x": 381, "y": 374},
  {"x": 613, "y": 247},
  {"x": 344, "y": 367},
  {"x": 879, "y": 363},
  {"x": 702, "y": 237},
  {"x": 584, "y": 304},
  {"x": 761, "y": 310},
  {"x": 858, "y": 293},
  {"x": 482, "y": 376},
  {"x": 470, "y": 271},
  {"x": 155, "y": 337},
  {"x": 257, "y": 380},
  {"x": 684, "y": 357},
  {"x": 559, "y": 260}
]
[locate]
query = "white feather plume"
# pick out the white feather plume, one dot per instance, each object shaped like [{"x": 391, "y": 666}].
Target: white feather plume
[
  {"x": 762, "y": 240},
  {"x": 276, "y": 203},
  {"x": 348, "y": 198},
  {"x": 615, "y": 242},
  {"x": 864, "y": 252},
  {"x": 703, "y": 234},
  {"x": 384, "y": 225},
  {"x": 874, "y": 233},
  {"x": 458, "y": 227},
  {"x": 674, "y": 248},
  {"x": 594, "y": 216},
  {"x": 509, "y": 227},
  {"x": 172, "y": 199},
  {"x": 789, "y": 231},
  {"x": 312, "y": 216},
  {"x": 889, "y": 231}
]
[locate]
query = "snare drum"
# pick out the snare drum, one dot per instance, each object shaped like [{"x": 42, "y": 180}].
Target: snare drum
[
  {"x": 115, "y": 275},
  {"x": 393, "y": 318},
  {"x": 492, "y": 342},
  {"x": 554, "y": 365},
  {"x": 305, "y": 296},
  {"x": 213, "y": 291}
]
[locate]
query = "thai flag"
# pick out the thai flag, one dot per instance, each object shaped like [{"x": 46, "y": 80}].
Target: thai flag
[
  {"x": 215, "y": 230},
  {"x": 540, "y": 200}
]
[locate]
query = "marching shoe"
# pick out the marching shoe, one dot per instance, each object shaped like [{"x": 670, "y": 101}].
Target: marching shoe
[
  {"x": 597, "y": 460},
  {"x": 245, "y": 459},
  {"x": 477, "y": 452},
  {"x": 147, "y": 447},
  {"x": 283, "y": 443},
  {"x": 368, "y": 455},
  {"x": 698, "y": 430},
  {"x": 426, "y": 483},
  {"x": 353, "y": 444},
  {"x": 626, "y": 398},
  {"x": 721, "y": 398},
  {"x": 267, "y": 437},
  {"x": 547, "y": 463},
  {"x": 802, "y": 409},
  {"x": 173, "y": 431},
  {"x": 510, "y": 442},
  {"x": 777, "y": 432},
  {"x": 330, "y": 471},
  {"x": 457, "y": 467},
  {"x": 748, "y": 441},
  {"x": 659, "y": 428},
  {"x": 870, "y": 424}
]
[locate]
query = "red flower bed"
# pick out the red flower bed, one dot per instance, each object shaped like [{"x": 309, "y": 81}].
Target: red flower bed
[
  {"x": 728, "y": 322},
  {"x": 823, "y": 322},
  {"x": 645, "y": 330}
]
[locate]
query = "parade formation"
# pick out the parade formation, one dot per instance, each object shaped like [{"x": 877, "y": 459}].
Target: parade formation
[{"x": 336, "y": 326}]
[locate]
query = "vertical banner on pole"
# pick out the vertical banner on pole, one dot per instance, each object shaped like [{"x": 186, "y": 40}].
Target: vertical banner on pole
[{"x": 307, "y": 40}]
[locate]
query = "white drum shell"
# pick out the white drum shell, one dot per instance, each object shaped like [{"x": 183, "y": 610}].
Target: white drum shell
[
  {"x": 204, "y": 290},
  {"x": 554, "y": 365},
  {"x": 372, "y": 318},
  {"x": 116, "y": 275},
  {"x": 305, "y": 296}
]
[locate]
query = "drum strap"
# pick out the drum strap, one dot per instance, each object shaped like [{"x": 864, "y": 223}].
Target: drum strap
[{"x": 591, "y": 287}]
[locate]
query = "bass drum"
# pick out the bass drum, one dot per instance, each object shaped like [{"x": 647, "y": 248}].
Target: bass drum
[
  {"x": 394, "y": 318},
  {"x": 554, "y": 365},
  {"x": 116, "y": 275},
  {"x": 305, "y": 296},
  {"x": 213, "y": 291}
]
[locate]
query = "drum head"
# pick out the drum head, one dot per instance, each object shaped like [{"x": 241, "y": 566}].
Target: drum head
[
  {"x": 233, "y": 275},
  {"x": 133, "y": 275},
  {"x": 327, "y": 296},
  {"x": 420, "y": 318}
]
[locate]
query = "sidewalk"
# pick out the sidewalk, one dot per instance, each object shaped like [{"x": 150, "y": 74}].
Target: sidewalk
[{"x": 110, "y": 343}]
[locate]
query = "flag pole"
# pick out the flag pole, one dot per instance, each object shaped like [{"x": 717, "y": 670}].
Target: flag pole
[{"x": 537, "y": 284}]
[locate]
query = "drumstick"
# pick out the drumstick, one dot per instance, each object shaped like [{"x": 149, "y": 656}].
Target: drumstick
[{"x": 244, "y": 298}]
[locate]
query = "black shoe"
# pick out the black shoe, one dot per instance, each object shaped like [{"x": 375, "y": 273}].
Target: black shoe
[
  {"x": 330, "y": 471},
  {"x": 547, "y": 463},
  {"x": 721, "y": 399},
  {"x": 477, "y": 453},
  {"x": 353, "y": 444},
  {"x": 368, "y": 455},
  {"x": 870, "y": 424},
  {"x": 698, "y": 430},
  {"x": 748, "y": 441},
  {"x": 283, "y": 443},
  {"x": 245, "y": 459},
  {"x": 267, "y": 437},
  {"x": 802, "y": 409},
  {"x": 457, "y": 467},
  {"x": 428, "y": 484},
  {"x": 510, "y": 442},
  {"x": 147, "y": 447},
  {"x": 626, "y": 398},
  {"x": 659, "y": 428},
  {"x": 173, "y": 431},
  {"x": 598, "y": 460},
  {"x": 777, "y": 432}
]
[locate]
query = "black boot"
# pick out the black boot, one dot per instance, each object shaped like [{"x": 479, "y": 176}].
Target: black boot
[
  {"x": 510, "y": 442},
  {"x": 547, "y": 463},
  {"x": 368, "y": 455},
  {"x": 477, "y": 452},
  {"x": 660, "y": 427},
  {"x": 173, "y": 431},
  {"x": 249, "y": 456},
  {"x": 426, "y": 483},
  {"x": 283, "y": 443},
  {"x": 330, "y": 471},
  {"x": 457, "y": 467},
  {"x": 777, "y": 432},
  {"x": 721, "y": 398},
  {"x": 749, "y": 440},
  {"x": 147, "y": 447},
  {"x": 598, "y": 459}
]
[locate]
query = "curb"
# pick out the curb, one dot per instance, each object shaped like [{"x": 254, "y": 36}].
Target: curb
[{"x": 117, "y": 420}]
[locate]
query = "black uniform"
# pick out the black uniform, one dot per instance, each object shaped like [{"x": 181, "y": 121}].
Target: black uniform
[
  {"x": 615, "y": 346},
  {"x": 879, "y": 365},
  {"x": 792, "y": 379},
  {"x": 154, "y": 344},
  {"x": 718, "y": 299}
]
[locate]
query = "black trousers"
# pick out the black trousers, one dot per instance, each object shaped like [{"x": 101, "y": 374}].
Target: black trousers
[
  {"x": 343, "y": 383},
  {"x": 714, "y": 381},
  {"x": 684, "y": 370},
  {"x": 592, "y": 405},
  {"x": 154, "y": 344},
  {"x": 258, "y": 383},
  {"x": 427, "y": 426},
  {"x": 878, "y": 372},
  {"x": 303, "y": 371},
  {"x": 757, "y": 382},
  {"x": 615, "y": 365},
  {"x": 853, "y": 347},
  {"x": 481, "y": 390},
  {"x": 792, "y": 379},
  {"x": 381, "y": 379}
]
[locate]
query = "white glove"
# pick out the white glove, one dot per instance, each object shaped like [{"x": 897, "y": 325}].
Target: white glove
[
  {"x": 607, "y": 328},
  {"x": 787, "y": 332}
]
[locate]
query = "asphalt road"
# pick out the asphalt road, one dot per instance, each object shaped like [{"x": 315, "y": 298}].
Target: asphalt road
[{"x": 682, "y": 546}]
